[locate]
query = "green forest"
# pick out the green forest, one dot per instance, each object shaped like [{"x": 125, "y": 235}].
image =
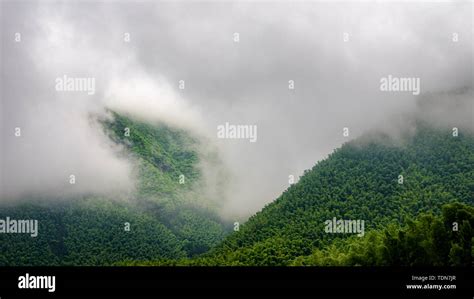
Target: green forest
[
  {"x": 415, "y": 196},
  {"x": 165, "y": 219}
]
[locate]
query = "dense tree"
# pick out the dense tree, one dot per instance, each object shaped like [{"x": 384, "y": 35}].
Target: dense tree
[
  {"x": 360, "y": 180},
  {"x": 415, "y": 196},
  {"x": 164, "y": 222}
]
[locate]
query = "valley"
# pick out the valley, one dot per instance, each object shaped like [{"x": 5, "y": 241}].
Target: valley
[{"x": 167, "y": 222}]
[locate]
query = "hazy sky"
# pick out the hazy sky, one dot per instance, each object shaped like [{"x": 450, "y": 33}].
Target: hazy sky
[{"x": 336, "y": 54}]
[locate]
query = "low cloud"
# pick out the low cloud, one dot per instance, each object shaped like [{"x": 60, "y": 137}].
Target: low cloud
[{"x": 335, "y": 54}]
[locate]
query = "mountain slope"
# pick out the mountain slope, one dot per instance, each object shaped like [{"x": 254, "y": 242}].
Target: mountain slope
[
  {"x": 170, "y": 184},
  {"x": 359, "y": 181},
  {"x": 163, "y": 219},
  {"x": 434, "y": 240}
]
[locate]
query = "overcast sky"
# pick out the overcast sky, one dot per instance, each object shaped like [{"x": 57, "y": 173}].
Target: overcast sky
[{"x": 336, "y": 54}]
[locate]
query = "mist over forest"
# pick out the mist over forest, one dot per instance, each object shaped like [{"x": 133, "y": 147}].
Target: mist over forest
[{"x": 180, "y": 64}]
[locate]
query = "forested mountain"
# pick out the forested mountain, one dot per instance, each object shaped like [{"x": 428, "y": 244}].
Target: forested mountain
[
  {"x": 166, "y": 217},
  {"x": 427, "y": 240},
  {"x": 397, "y": 187},
  {"x": 376, "y": 179},
  {"x": 415, "y": 195}
]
